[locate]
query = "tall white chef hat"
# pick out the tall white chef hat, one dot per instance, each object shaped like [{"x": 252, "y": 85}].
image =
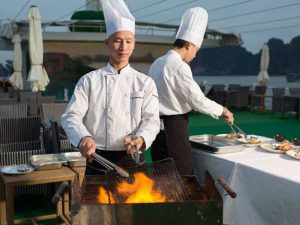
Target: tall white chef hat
[
  {"x": 193, "y": 26},
  {"x": 117, "y": 17}
]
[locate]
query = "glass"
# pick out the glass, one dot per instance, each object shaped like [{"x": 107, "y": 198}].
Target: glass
[{"x": 279, "y": 138}]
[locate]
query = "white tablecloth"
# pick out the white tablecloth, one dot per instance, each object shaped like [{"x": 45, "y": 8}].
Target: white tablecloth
[{"x": 267, "y": 184}]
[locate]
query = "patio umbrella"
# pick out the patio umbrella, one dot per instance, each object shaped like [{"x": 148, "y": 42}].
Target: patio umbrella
[
  {"x": 37, "y": 74},
  {"x": 16, "y": 79},
  {"x": 263, "y": 77}
]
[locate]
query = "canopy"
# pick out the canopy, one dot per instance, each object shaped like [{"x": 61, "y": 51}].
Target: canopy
[
  {"x": 263, "y": 76},
  {"x": 16, "y": 79},
  {"x": 37, "y": 74}
]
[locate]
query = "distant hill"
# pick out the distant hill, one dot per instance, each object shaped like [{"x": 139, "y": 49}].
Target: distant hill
[{"x": 284, "y": 59}]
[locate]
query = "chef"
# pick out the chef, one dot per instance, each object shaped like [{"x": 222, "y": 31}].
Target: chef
[
  {"x": 179, "y": 94},
  {"x": 114, "y": 110}
]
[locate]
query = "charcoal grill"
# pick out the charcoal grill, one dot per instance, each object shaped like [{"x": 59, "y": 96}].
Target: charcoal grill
[{"x": 187, "y": 201}]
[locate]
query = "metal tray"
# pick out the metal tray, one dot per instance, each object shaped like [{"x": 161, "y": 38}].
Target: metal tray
[
  {"x": 215, "y": 144},
  {"x": 75, "y": 159},
  {"x": 48, "y": 161}
]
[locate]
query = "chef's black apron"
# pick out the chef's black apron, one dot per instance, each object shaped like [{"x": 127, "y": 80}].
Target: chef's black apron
[
  {"x": 120, "y": 158},
  {"x": 173, "y": 142}
]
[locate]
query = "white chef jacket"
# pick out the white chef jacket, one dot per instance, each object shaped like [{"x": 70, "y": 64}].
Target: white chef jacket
[
  {"x": 108, "y": 106},
  {"x": 177, "y": 91}
]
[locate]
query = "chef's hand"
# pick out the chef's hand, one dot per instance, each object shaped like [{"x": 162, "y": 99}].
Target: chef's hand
[
  {"x": 134, "y": 144},
  {"x": 87, "y": 146},
  {"x": 228, "y": 116}
]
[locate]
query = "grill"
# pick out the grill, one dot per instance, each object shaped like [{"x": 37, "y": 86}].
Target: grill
[{"x": 187, "y": 201}]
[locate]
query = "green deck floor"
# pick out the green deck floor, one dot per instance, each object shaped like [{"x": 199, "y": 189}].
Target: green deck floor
[{"x": 251, "y": 122}]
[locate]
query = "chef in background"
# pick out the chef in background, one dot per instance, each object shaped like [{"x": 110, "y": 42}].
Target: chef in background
[
  {"x": 114, "y": 110},
  {"x": 179, "y": 94}
]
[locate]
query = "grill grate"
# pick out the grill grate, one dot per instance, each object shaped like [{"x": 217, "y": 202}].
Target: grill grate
[{"x": 164, "y": 174}]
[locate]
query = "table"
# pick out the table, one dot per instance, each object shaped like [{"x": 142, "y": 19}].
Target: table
[
  {"x": 267, "y": 184},
  {"x": 9, "y": 182}
]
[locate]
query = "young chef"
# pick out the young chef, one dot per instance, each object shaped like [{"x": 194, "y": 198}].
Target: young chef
[
  {"x": 179, "y": 94},
  {"x": 114, "y": 110}
]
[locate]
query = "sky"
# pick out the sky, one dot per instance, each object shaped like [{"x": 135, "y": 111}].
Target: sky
[{"x": 255, "y": 20}]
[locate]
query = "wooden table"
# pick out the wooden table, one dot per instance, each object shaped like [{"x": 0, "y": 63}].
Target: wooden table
[{"x": 8, "y": 183}]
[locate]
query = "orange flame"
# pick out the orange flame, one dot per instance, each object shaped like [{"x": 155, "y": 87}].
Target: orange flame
[
  {"x": 140, "y": 191},
  {"x": 103, "y": 196}
]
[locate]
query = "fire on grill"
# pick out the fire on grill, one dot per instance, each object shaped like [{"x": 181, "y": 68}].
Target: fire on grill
[
  {"x": 152, "y": 194},
  {"x": 140, "y": 191}
]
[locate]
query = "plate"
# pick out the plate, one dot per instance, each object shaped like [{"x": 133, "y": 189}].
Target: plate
[
  {"x": 254, "y": 138},
  {"x": 17, "y": 169},
  {"x": 271, "y": 148},
  {"x": 293, "y": 153},
  {"x": 242, "y": 139}
]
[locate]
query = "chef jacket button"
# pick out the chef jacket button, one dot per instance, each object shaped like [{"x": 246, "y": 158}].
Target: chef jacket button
[
  {"x": 127, "y": 113},
  {"x": 126, "y": 95}
]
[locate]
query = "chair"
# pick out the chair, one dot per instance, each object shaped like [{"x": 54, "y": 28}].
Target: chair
[
  {"x": 21, "y": 138},
  {"x": 258, "y": 98},
  {"x": 24, "y": 95},
  {"x": 217, "y": 93},
  {"x": 284, "y": 103},
  {"x": 4, "y": 95},
  {"x": 52, "y": 111},
  {"x": 238, "y": 98},
  {"x": 298, "y": 108},
  {"x": 20, "y": 129},
  {"x": 7, "y": 101},
  {"x": 60, "y": 140},
  {"x": 294, "y": 91},
  {"x": 202, "y": 87},
  {"x": 35, "y": 104},
  {"x": 277, "y": 99},
  {"x": 233, "y": 87},
  {"x": 13, "y": 110}
]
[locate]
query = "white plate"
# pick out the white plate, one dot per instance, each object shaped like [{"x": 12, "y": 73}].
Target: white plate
[
  {"x": 255, "y": 145},
  {"x": 270, "y": 148},
  {"x": 224, "y": 136},
  {"x": 293, "y": 153},
  {"x": 17, "y": 169}
]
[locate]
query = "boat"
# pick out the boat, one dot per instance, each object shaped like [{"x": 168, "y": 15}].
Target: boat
[{"x": 76, "y": 46}]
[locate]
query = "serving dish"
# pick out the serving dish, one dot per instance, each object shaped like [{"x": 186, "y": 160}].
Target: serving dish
[
  {"x": 74, "y": 159},
  {"x": 233, "y": 137},
  {"x": 48, "y": 161},
  {"x": 254, "y": 141},
  {"x": 273, "y": 147},
  {"x": 294, "y": 153},
  {"x": 216, "y": 144}
]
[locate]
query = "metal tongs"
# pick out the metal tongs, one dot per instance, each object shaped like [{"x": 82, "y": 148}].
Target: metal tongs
[
  {"x": 234, "y": 126},
  {"x": 136, "y": 156},
  {"x": 109, "y": 165}
]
